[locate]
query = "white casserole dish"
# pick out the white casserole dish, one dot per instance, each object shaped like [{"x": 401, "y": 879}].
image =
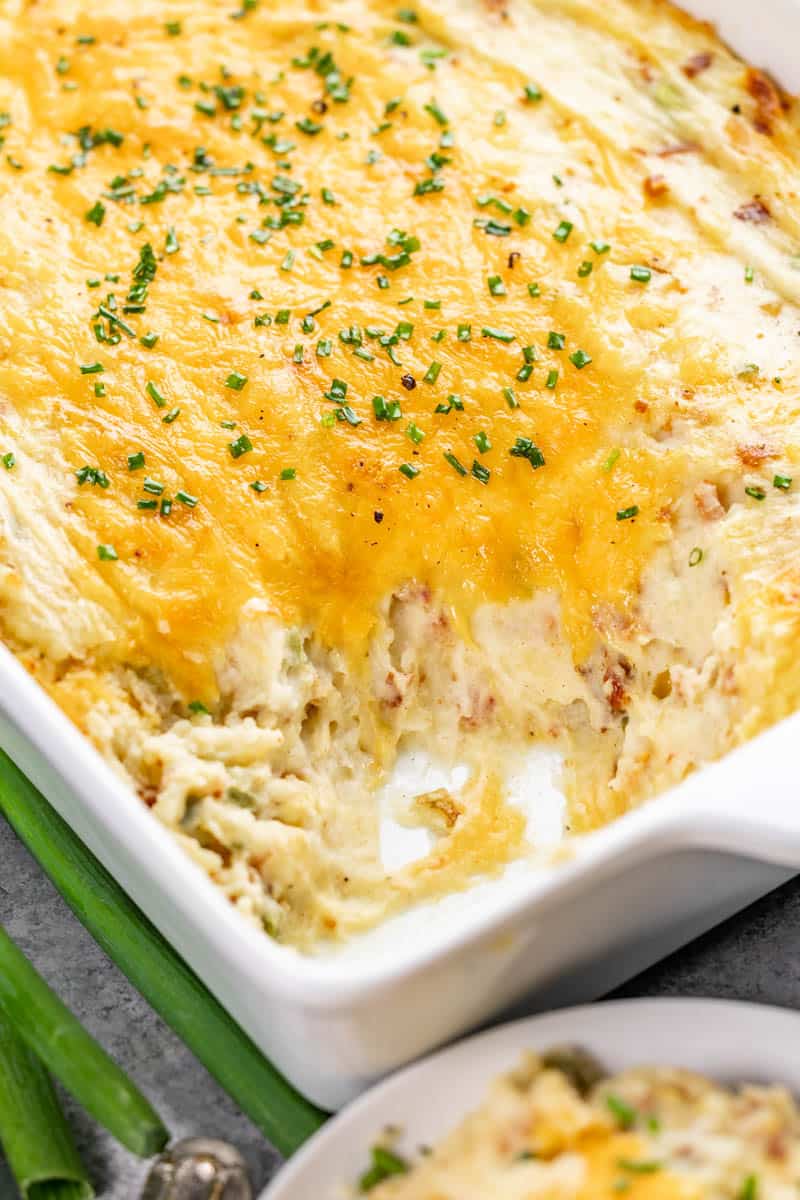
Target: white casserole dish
[{"x": 633, "y": 892}]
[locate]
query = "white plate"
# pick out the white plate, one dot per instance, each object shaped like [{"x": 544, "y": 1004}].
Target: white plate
[{"x": 727, "y": 1041}]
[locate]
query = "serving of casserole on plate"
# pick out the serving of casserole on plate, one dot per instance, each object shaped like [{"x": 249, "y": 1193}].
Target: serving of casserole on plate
[
  {"x": 390, "y": 396},
  {"x": 675, "y": 1100}
]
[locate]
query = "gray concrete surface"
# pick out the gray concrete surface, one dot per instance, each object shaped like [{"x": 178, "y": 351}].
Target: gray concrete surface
[{"x": 755, "y": 956}]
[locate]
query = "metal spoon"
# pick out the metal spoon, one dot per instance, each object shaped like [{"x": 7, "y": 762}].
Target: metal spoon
[{"x": 198, "y": 1169}]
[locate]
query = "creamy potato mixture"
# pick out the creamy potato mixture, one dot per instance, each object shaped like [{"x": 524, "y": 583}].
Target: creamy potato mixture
[
  {"x": 647, "y": 1134},
  {"x": 376, "y": 376}
]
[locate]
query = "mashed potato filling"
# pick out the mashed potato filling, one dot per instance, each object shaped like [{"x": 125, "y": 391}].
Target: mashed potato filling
[
  {"x": 377, "y": 376},
  {"x": 650, "y": 1134}
]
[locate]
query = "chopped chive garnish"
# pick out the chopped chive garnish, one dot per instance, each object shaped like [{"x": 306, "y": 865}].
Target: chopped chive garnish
[
  {"x": 173, "y": 28},
  {"x": 600, "y": 247},
  {"x": 385, "y": 1163},
  {"x": 623, "y": 1113},
  {"x": 436, "y": 112},
  {"x": 136, "y": 461},
  {"x": 186, "y": 498},
  {"x": 409, "y": 470},
  {"x": 432, "y": 373},
  {"x": 638, "y": 1167},
  {"x": 585, "y": 268},
  {"x": 627, "y": 514},
  {"x": 236, "y": 381},
  {"x": 608, "y": 465},
  {"x": 9, "y": 460},
  {"x": 288, "y": 473},
  {"x": 749, "y": 274},
  {"x": 749, "y": 1189},
  {"x": 171, "y": 416},
  {"x": 532, "y": 93},
  {"x": 562, "y": 231},
  {"x": 92, "y": 475},
  {"x": 155, "y": 395},
  {"x": 509, "y": 397},
  {"x": 641, "y": 274},
  {"x": 525, "y": 448},
  {"x": 464, "y": 333},
  {"x": 107, "y": 553},
  {"x": 241, "y": 446},
  {"x": 95, "y": 368},
  {"x": 756, "y": 493},
  {"x": 555, "y": 341},
  {"x": 499, "y": 335},
  {"x": 784, "y": 482},
  {"x": 580, "y": 359},
  {"x": 695, "y": 557},
  {"x": 534, "y": 289},
  {"x": 386, "y": 410},
  {"x": 258, "y": 485},
  {"x": 481, "y": 440},
  {"x": 96, "y": 214},
  {"x": 454, "y": 463},
  {"x": 149, "y": 340},
  {"x": 481, "y": 473},
  {"x": 496, "y": 285},
  {"x": 552, "y": 379},
  {"x": 309, "y": 127},
  {"x": 152, "y": 486}
]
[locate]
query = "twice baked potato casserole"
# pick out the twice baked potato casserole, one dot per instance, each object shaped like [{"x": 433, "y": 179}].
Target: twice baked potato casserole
[
  {"x": 378, "y": 376},
  {"x": 550, "y": 1130}
]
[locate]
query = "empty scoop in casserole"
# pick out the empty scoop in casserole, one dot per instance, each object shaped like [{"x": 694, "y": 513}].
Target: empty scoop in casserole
[
  {"x": 375, "y": 378},
  {"x": 648, "y": 1134}
]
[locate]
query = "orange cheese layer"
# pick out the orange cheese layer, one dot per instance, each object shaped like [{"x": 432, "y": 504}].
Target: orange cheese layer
[{"x": 328, "y": 545}]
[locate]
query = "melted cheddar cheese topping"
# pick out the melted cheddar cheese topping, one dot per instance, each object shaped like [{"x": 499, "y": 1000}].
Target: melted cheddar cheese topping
[
  {"x": 458, "y": 343},
  {"x": 312, "y": 546}
]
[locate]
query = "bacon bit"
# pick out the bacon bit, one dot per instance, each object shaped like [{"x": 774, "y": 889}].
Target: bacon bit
[
  {"x": 777, "y": 1147},
  {"x": 698, "y": 63},
  {"x": 754, "y": 453},
  {"x": 679, "y": 148},
  {"x": 615, "y": 690},
  {"x": 149, "y": 795},
  {"x": 655, "y": 186},
  {"x": 641, "y": 406},
  {"x": 480, "y": 710},
  {"x": 767, "y": 98},
  {"x": 706, "y": 497},
  {"x": 394, "y": 696},
  {"x": 755, "y": 211}
]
